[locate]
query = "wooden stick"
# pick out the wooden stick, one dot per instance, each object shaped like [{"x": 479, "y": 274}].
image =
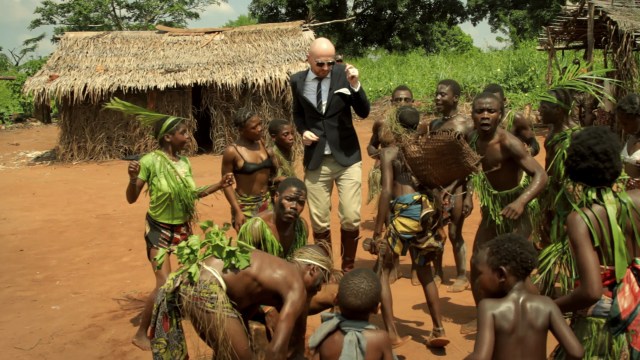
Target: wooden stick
[
  {"x": 330, "y": 22},
  {"x": 590, "y": 38}
]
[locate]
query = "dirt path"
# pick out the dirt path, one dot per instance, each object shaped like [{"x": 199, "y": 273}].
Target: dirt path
[{"x": 75, "y": 269}]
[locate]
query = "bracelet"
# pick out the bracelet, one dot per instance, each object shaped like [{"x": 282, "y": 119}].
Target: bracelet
[{"x": 133, "y": 181}]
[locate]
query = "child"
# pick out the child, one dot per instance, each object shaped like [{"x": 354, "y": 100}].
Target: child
[
  {"x": 513, "y": 323},
  {"x": 282, "y": 139},
  {"x": 172, "y": 192},
  {"x": 358, "y": 298}
]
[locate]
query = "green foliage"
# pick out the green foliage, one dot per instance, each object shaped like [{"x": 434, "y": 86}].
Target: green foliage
[
  {"x": 12, "y": 100},
  {"x": 103, "y": 15},
  {"x": 393, "y": 25},
  {"x": 521, "y": 72},
  {"x": 520, "y": 20},
  {"x": 216, "y": 243},
  {"x": 444, "y": 38},
  {"x": 242, "y": 20}
]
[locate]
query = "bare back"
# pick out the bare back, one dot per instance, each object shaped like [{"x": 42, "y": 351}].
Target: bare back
[
  {"x": 378, "y": 346},
  {"x": 516, "y": 326},
  {"x": 269, "y": 280}
]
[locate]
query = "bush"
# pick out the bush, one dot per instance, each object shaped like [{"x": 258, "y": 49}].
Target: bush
[{"x": 521, "y": 72}]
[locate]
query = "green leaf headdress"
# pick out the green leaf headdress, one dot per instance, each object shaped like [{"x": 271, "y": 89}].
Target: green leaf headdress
[{"x": 145, "y": 116}]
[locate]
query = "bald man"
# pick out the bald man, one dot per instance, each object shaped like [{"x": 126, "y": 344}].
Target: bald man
[{"x": 323, "y": 96}]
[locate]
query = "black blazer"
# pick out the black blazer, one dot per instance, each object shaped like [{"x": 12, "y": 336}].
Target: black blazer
[{"x": 336, "y": 124}]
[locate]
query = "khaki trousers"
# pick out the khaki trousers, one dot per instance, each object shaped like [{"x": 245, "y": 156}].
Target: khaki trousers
[{"x": 319, "y": 184}]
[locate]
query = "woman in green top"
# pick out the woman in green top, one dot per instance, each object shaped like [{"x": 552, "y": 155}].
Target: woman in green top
[{"x": 172, "y": 194}]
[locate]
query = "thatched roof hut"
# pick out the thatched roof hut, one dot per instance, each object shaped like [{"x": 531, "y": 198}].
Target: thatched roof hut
[
  {"x": 609, "y": 25},
  {"x": 204, "y": 75}
]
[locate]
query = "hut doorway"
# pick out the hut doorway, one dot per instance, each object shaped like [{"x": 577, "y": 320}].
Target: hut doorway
[{"x": 203, "y": 118}]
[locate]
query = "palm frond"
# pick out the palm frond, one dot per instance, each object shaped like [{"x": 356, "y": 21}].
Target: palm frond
[{"x": 145, "y": 116}]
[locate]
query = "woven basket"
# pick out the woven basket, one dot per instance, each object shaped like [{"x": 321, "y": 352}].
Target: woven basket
[{"x": 439, "y": 158}]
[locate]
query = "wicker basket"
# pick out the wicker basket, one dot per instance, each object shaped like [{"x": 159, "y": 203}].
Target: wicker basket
[{"x": 439, "y": 158}]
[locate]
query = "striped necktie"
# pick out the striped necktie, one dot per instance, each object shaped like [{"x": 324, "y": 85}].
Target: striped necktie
[{"x": 319, "y": 95}]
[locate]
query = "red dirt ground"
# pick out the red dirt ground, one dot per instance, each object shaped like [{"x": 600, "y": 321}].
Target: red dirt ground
[{"x": 75, "y": 268}]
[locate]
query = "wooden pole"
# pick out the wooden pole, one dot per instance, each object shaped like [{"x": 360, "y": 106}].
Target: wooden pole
[{"x": 590, "y": 37}]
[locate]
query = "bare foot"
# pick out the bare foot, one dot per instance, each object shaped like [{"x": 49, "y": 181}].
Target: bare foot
[
  {"x": 400, "y": 341},
  {"x": 459, "y": 285},
  {"x": 469, "y": 328},
  {"x": 414, "y": 278},
  {"x": 142, "y": 341},
  {"x": 437, "y": 339}
]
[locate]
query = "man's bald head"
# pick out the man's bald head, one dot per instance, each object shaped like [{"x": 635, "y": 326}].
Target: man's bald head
[
  {"x": 322, "y": 46},
  {"x": 321, "y": 56}
]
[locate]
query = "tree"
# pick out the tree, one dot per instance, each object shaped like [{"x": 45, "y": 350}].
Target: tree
[
  {"x": 519, "y": 20},
  {"x": 28, "y": 46},
  {"x": 395, "y": 25},
  {"x": 105, "y": 15},
  {"x": 242, "y": 20},
  {"x": 443, "y": 38},
  {"x": 402, "y": 25},
  {"x": 5, "y": 63}
]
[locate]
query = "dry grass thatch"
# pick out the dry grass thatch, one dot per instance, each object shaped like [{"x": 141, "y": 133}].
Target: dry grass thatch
[
  {"x": 87, "y": 132},
  {"x": 240, "y": 67},
  {"x": 92, "y": 65}
]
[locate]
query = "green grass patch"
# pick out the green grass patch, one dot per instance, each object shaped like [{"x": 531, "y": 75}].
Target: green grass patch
[{"x": 521, "y": 72}]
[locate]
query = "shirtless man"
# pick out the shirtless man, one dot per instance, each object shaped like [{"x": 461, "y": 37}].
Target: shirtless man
[
  {"x": 401, "y": 96},
  {"x": 555, "y": 114},
  {"x": 516, "y": 122},
  {"x": 222, "y": 300},
  {"x": 513, "y": 323},
  {"x": 280, "y": 231},
  {"x": 503, "y": 194},
  {"x": 457, "y": 201}
]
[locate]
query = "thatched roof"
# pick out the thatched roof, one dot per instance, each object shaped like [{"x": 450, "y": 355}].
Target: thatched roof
[
  {"x": 569, "y": 29},
  {"x": 95, "y": 64}
]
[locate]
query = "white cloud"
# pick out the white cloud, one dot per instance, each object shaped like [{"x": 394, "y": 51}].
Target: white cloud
[
  {"x": 482, "y": 35},
  {"x": 218, "y": 15},
  {"x": 13, "y": 27}
]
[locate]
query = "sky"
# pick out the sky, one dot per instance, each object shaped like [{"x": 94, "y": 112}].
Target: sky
[{"x": 19, "y": 13}]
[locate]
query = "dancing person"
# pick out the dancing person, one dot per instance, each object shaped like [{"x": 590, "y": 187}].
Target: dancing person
[
  {"x": 558, "y": 198},
  {"x": 515, "y": 121},
  {"x": 509, "y": 181},
  {"x": 281, "y": 132},
  {"x": 400, "y": 97},
  {"x": 628, "y": 116},
  {"x": 223, "y": 299},
  {"x": 604, "y": 238},
  {"x": 332, "y": 152},
  {"x": 279, "y": 231},
  {"x": 456, "y": 202},
  {"x": 357, "y": 299},
  {"x": 252, "y": 166},
  {"x": 411, "y": 228},
  {"x": 512, "y": 322},
  {"x": 172, "y": 193}
]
